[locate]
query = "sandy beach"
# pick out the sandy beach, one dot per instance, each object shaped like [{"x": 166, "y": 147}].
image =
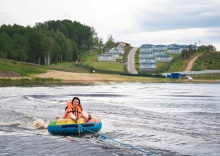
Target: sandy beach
[
  {"x": 91, "y": 77},
  {"x": 71, "y": 77},
  {"x": 96, "y": 77}
]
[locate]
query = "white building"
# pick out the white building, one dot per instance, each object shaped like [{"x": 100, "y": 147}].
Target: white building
[
  {"x": 106, "y": 57},
  {"x": 163, "y": 58},
  {"x": 112, "y": 54},
  {"x": 148, "y": 66},
  {"x": 146, "y": 59}
]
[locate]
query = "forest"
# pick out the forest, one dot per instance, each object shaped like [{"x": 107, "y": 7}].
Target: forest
[{"x": 48, "y": 42}]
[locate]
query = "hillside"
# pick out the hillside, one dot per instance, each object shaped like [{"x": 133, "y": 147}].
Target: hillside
[
  {"x": 208, "y": 61},
  {"x": 80, "y": 72},
  {"x": 11, "y": 68}
]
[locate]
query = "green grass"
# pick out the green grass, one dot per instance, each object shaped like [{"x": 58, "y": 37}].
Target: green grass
[
  {"x": 177, "y": 64},
  {"x": 67, "y": 66},
  {"x": 136, "y": 59},
  {"x": 210, "y": 76},
  {"x": 5, "y": 82},
  {"x": 24, "y": 69},
  {"x": 90, "y": 59},
  {"x": 111, "y": 66},
  {"x": 208, "y": 61}
]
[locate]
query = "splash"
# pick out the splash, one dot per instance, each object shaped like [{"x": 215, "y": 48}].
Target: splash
[
  {"x": 39, "y": 124},
  {"x": 107, "y": 127}
]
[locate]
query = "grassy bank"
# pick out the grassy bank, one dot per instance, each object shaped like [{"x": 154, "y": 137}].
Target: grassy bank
[
  {"x": 208, "y": 61},
  {"x": 84, "y": 77},
  {"x": 104, "y": 78},
  {"x": 91, "y": 60},
  {"x": 6, "y": 82},
  {"x": 210, "y": 76},
  {"x": 20, "y": 68}
]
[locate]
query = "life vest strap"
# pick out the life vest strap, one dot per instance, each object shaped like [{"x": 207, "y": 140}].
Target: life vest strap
[{"x": 75, "y": 112}]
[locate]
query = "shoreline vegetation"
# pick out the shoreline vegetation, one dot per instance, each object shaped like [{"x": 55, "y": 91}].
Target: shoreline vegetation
[
  {"x": 15, "y": 73},
  {"x": 59, "y": 78}
]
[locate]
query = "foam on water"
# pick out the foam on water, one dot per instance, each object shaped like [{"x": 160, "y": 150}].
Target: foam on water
[
  {"x": 107, "y": 127},
  {"x": 39, "y": 124}
]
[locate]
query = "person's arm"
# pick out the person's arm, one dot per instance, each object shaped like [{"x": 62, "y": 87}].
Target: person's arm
[
  {"x": 73, "y": 117},
  {"x": 64, "y": 116},
  {"x": 86, "y": 116}
]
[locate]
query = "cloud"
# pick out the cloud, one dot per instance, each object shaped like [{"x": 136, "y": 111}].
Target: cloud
[
  {"x": 179, "y": 36},
  {"x": 132, "y": 21},
  {"x": 178, "y": 16}
]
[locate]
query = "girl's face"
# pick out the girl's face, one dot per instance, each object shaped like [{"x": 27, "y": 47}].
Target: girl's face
[{"x": 75, "y": 102}]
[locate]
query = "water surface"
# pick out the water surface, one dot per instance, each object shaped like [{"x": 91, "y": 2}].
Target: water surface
[{"x": 162, "y": 118}]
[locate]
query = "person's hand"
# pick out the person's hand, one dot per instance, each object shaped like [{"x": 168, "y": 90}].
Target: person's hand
[
  {"x": 89, "y": 118},
  {"x": 76, "y": 119}
]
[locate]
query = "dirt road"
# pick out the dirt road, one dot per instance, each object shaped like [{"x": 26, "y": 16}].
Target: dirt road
[{"x": 190, "y": 64}]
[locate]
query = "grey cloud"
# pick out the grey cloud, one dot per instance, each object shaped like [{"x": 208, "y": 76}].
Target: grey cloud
[
  {"x": 179, "y": 16},
  {"x": 179, "y": 22}
]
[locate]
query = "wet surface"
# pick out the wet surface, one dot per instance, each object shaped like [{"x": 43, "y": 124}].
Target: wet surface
[{"x": 163, "y": 119}]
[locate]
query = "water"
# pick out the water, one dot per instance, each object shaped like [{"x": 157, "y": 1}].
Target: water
[{"x": 166, "y": 119}]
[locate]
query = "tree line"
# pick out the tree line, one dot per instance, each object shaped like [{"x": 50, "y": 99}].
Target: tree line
[
  {"x": 185, "y": 54},
  {"x": 48, "y": 42}
]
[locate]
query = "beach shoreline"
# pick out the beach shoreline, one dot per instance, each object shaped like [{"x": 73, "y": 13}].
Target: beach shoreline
[{"x": 85, "y": 78}]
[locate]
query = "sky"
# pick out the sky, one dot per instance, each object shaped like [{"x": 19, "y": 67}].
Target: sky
[{"x": 135, "y": 22}]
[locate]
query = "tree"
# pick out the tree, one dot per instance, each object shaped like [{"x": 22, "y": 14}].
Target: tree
[
  {"x": 5, "y": 45},
  {"x": 205, "y": 48},
  {"x": 110, "y": 43},
  {"x": 51, "y": 41},
  {"x": 48, "y": 48},
  {"x": 20, "y": 46},
  {"x": 35, "y": 37}
]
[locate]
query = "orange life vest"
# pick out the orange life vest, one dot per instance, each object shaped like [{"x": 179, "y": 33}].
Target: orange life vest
[{"x": 71, "y": 109}]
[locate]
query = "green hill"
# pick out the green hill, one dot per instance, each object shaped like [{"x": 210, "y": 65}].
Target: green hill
[
  {"x": 20, "y": 68},
  {"x": 88, "y": 63},
  {"x": 208, "y": 61}
]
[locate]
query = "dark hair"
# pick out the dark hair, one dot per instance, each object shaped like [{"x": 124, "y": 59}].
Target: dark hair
[{"x": 78, "y": 100}]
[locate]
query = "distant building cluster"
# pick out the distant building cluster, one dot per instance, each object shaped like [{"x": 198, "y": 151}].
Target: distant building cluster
[
  {"x": 113, "y": 53},
  {"x": 150, "y": 54}
]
